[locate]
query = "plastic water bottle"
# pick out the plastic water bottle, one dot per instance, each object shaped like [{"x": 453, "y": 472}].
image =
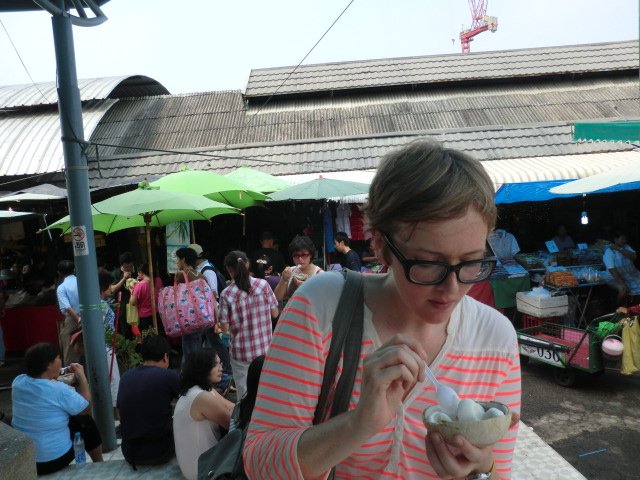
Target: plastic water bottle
[{"x": 78, "y": 450}]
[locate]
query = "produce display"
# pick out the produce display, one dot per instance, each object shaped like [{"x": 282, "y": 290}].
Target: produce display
[
  {"x": 561, "y": 278},
  {"x": 529, "y": 261}
]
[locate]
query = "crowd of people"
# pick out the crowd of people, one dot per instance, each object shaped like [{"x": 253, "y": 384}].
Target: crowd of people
[
  {"x": 431, "y": 212},
  {"x": 152, "y": 428}
]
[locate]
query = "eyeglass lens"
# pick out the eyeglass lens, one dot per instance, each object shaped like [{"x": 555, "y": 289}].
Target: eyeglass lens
[{"x": 468, "y": 272}]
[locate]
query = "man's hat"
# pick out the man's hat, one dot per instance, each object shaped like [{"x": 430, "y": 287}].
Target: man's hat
[{"x": 196, "y": 248}]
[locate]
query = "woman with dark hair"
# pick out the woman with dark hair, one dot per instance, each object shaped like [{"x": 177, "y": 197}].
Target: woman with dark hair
[
  {"x": 141, "y": 297},
  {"x": 263, "y": 268},
  {"x": 51, "y": 412},
  {"x": 200, "y": 411},
  {"x": 246, "y": 309},
  {"x": 186, "y": 260},
  {"x": 302, "y": 251}
]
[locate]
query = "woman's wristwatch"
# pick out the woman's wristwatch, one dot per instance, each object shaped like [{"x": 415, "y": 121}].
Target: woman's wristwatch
[{"x": 483, "y": 476}]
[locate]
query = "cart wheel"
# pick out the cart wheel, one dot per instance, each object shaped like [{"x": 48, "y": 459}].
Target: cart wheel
[
  {"x": 523, "y": 360},
  {"x": 565, "y": 377}
]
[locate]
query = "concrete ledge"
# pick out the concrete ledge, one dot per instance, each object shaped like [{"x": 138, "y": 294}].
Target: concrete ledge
[{"x": 17, "y": 454}]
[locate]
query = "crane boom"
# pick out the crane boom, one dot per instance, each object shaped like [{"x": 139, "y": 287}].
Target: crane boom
[{"x": 480, "y": 22}]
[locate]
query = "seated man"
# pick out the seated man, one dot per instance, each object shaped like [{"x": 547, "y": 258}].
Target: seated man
[{"x": 144, "y": 401}]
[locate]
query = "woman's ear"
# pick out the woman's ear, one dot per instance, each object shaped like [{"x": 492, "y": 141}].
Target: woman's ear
[{"x": 377, "y": 244}]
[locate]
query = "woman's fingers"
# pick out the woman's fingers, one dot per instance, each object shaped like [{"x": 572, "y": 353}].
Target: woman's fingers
[
  {"x": 392, "y": 355},
  {"x": 458, "y": 458},
  {"x": 515, "y": 418},
  {"x": 412, "y": 343}
]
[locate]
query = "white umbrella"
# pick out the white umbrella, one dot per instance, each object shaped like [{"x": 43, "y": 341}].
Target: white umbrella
[
  {"x": 12, "y": 215},
  {"x": 626, "y": 174}
]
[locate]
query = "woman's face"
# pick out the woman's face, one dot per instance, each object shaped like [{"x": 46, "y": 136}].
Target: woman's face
[
  {"x": 180, "y": 263},
  {"x": 215, "y": 375},
  {"x": 301, "y": 257},
  {"x": 450, "y": 241},
  {"x": 53, "y": 369}
]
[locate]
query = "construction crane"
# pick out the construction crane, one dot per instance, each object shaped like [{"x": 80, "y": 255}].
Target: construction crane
[{"x": 480, "y": 22}]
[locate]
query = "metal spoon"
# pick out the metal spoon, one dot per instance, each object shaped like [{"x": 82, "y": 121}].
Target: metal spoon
[{"x": 446, "y": 396}]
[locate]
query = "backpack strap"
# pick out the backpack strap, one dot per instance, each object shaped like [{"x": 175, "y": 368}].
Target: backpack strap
[{"x": 347, "y": 328}]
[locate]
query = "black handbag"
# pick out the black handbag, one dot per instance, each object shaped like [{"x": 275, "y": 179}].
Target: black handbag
[{"x": 223, "y": 461}]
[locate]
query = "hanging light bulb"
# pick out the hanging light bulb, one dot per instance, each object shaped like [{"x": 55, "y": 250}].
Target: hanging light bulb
[{"x": 584, "y": 218}]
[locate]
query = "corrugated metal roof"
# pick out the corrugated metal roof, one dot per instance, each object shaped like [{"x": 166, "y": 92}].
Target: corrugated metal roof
[
  {"x": 30, "y": 142},
  {"x": 219, "y": 118},
  {"x": 343, "y": 154},
  {"x": 411, "y": 71},
  {"x": 45, "y": 93}
]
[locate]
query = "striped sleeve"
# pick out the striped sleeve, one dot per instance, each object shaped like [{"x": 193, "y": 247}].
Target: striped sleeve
[
  {"x": 290, "y": 384},
  {"x": 509, "y": 392}
]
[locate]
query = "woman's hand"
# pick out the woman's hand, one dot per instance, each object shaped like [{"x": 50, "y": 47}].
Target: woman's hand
[
  {"x": 77, "y": 369},
  {"x": 286, "y": 274},
  {"x": 459, "y": 458},
  {"x": 389, "y": 374}
]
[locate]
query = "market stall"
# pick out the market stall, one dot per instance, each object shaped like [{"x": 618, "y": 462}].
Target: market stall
[{"x": 574, "y": 274}]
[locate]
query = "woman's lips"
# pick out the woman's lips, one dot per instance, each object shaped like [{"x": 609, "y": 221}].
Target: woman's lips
[{"x": 441, "y": 304}]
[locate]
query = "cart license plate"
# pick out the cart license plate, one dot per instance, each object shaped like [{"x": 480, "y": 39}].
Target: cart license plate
[{"x": 543, "y": 354}]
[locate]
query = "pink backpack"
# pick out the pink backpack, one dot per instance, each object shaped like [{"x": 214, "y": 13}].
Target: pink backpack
[{"x": 186, "y": 307}]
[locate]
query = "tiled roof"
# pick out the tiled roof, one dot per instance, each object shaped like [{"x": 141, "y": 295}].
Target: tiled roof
[
  {"x": 412, "y": 71},
  {"x": 355, "y": 153},
  {"x": 220, "y": 118}
]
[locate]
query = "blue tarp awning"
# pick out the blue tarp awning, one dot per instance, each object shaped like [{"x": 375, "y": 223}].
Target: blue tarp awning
[{"x": 539, "y": 191}]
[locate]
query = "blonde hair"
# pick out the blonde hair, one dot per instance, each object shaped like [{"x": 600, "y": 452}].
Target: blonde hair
[{"x": 424, "y": 181}]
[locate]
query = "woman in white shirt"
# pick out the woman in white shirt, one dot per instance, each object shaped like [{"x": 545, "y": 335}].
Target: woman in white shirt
[{"x": 200, "y": 411}]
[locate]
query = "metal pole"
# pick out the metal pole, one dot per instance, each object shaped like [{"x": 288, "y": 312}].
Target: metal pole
[{"x": 84, "y": 252}]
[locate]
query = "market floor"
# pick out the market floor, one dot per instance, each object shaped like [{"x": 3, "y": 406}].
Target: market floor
[{"x": 534, "y": 459}]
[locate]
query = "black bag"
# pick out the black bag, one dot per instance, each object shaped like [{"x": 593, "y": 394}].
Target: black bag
[
  {"x": 222, "y": 282},
  {"x": 223, "y": 461}
]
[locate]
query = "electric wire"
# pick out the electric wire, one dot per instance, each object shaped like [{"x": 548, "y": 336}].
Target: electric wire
[
  {"x": 84, "y": 144},
  {"x": 255, "y": 115}
]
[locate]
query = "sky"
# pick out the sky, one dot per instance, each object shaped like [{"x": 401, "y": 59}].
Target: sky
[{"x": 206, "y": 45}]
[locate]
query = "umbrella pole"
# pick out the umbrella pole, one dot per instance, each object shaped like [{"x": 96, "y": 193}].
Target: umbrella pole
[
  {"x": 193, "y": 232},
  {"x": 152, "y": 287},
  {"x": 244, "y": 222},
  {"x": 324, "y": 237}
]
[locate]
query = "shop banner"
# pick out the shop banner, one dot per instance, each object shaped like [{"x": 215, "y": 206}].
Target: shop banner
[{"x": 177, "y": 235}]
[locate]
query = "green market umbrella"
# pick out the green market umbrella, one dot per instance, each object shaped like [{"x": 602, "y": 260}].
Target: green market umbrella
[
  {"x": 211, "y": 185},
  {"x": 257, "y": 180},
  {"x": 149, "y": 207},
  {"x": 320, "y": 189}
]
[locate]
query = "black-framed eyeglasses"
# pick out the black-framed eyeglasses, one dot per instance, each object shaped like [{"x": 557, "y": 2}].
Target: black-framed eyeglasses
[{"x": 426, "y": 272}]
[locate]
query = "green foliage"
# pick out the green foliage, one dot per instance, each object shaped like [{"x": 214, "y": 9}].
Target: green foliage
[{"x": 126, "y": 353}]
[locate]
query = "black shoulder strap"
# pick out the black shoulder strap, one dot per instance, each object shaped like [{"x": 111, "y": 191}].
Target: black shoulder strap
[
  {"x": 346, "y": 338},
  {"x": 207, "y": 267}
]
